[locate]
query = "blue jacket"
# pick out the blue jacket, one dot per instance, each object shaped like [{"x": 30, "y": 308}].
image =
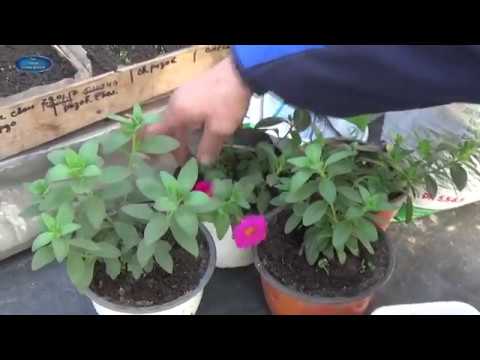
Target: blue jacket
[{"x": 347, "y": 80}]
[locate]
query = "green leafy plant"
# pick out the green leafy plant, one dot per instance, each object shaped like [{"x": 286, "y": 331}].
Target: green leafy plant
[{"x": 127, "y": 217}]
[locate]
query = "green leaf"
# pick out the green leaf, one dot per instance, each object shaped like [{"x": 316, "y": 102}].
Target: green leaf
[
  {"x": 188, "y": 175},
  {"x": 151, "y": 188},
  {"x": 367, "y": 246},
  {"x": 301, "y": 119},
  {"x": 292, "y": 223},
  {"x": 56, "y": 157},
  {"x": 314, "y": 152},
  {"x": 303, "y": 193},
  {"x": 114, "y": 174},
  {"x": 269, "y": 122},
  {"x": 364, "y": 193},
  {"x": 144, "y": 253},
  {"x": 197, "y": 200},
  {"x": 138, "y": 211},
  {"x": 328, "y": 190},
  {"x": 137, "y": 113},
  {"x": 315, "y": 243},
  {"x": 300, "y": 208},
  {"x": 314, "y": 213},
  {"x": 342, "y": 256},
  {"x": 163, "y": 257},
  {"x": 184, "y": 239},
  {"x": 281, "y": 199},
  {"x": 365, "y": 230},
  {"x": 263, "y": 201},
  {"x": 76, "y": 269},
  {"x": 299, "y": 179},
  {"x": 149, "y": 119},
  {"x": 84, "y": 244},
  {"x": 49, "y": 222},
  {"x": 120, "y": 119},
  {"x": 73, "y": 160},
  {"x": 114, "y": 141},
  {"x": 165, "y": 204},
  {"x": 65, "y": 214},
  {"x": 69, "y": 228},
  {"x": 187, "y": 220},
  {"x": 92, "y": 171},
  {"x": 222, "y": 188},
  {"x": 159, "y": 144},
  {"x": 60, "y": 249},
  {"x": 107, "y": 250},
  {"x": 95, "y": 210},
  {"x": 30, "y": 212},
  {"x": 126, "y": 232},
  {"x": 83, "y": 279},
  {"x": 350, "y": 193},
  {"x": 156, "y": 228},
  {"x": 89, "y": 152},
  {"x": 361, "y": 121},
  {"x": 459, "y": 176},
  {"x": 338, "y": 156},
  {"x": 120, "y": 189},
  {"x": 299, "y": 162},
  {"x": 113, "y": 267},
  {"x": 352, "y": 245},
  {"x": 341, "y": 234},
  {"x": 42, "y": 257},
  {"x": 354, "y": 212},
  {"x": 59, "y": 172},
  {"x": 340, "y": 168},
  {"x": 42, "y": 240},
  {"x": 222, "y": 224},
  {"x": 169, "y": 182},
  {"x": 56, "y": 197}
]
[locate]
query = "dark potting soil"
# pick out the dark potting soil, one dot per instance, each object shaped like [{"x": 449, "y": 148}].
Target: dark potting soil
[
  {"x": 106, "y": 58},
  {"x": 158, "y": 287},
  {"x": 279, "y": 254},
  {"x": 13, "y": 81}
]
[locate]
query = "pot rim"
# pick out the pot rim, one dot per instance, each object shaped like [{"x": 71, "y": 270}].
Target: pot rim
[
  {"x": 172, "y": 304},
  {"x": 265, "y": 274}
]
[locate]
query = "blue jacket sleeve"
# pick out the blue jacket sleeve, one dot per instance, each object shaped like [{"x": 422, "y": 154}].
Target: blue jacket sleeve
[{"x": 347, "y": 80}]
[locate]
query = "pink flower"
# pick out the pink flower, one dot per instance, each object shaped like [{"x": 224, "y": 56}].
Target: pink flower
[
  {"x": 205, "y": 187},
  {"x": 251, "y": 231}
]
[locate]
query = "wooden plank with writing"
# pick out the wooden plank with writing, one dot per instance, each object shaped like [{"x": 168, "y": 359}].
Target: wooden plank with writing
[{"x": 40, "y": 119}]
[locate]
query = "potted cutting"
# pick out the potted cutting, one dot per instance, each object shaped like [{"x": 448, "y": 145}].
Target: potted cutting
[
  {"x": 243, "y": 180},
  {"x": 130, "y": 235},
  {"x": 325, "y": 251}
]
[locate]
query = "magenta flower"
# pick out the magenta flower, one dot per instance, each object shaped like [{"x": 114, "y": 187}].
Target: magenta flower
[
  {"x": 251, "y": 231},
  {"x": 205, "y": 187}
]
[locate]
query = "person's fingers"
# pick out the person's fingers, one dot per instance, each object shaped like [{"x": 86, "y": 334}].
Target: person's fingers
[
  {"x": 182, "y": 153},
  {"x": 211, "y": 144}
]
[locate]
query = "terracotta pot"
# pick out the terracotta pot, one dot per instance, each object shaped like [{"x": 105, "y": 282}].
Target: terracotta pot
[
  {"x": 384, "y": 219},
  {"x": 283, "y": 300}
]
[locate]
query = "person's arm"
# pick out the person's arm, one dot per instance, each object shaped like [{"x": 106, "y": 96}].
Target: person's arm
[{"x": 347, "y": 80}]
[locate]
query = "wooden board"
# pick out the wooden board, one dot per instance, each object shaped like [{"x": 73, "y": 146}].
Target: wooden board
[{"x": 35, "y": 121}]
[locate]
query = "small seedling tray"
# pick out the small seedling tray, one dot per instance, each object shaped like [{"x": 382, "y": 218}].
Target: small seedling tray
[{"x": 29, "y": 122}]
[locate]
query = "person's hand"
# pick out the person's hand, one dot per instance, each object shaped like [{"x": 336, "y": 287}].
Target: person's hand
[{"x": 217, "y": 101}]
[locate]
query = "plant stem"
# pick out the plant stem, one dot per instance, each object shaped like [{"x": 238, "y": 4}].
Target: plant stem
[{"x": 334, "y": 213}]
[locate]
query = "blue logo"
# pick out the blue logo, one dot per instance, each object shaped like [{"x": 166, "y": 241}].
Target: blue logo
[{"x": 34, "y": 64}]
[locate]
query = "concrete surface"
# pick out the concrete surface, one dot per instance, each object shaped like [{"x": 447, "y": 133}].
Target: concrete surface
[{"x": 438, "y": 259}]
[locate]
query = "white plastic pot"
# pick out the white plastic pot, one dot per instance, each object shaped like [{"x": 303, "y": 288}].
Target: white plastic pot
[
  {"x": 437, "y": 308},
  {"x": 229, "y": 256},
  {"x": 185, "y": 305}
]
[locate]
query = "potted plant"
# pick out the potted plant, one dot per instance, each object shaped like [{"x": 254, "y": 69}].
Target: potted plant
[
  {"x": 325, "y": 252},
  {"x": 130, "y": 236},
  {"x": 243, "y": 180}
]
